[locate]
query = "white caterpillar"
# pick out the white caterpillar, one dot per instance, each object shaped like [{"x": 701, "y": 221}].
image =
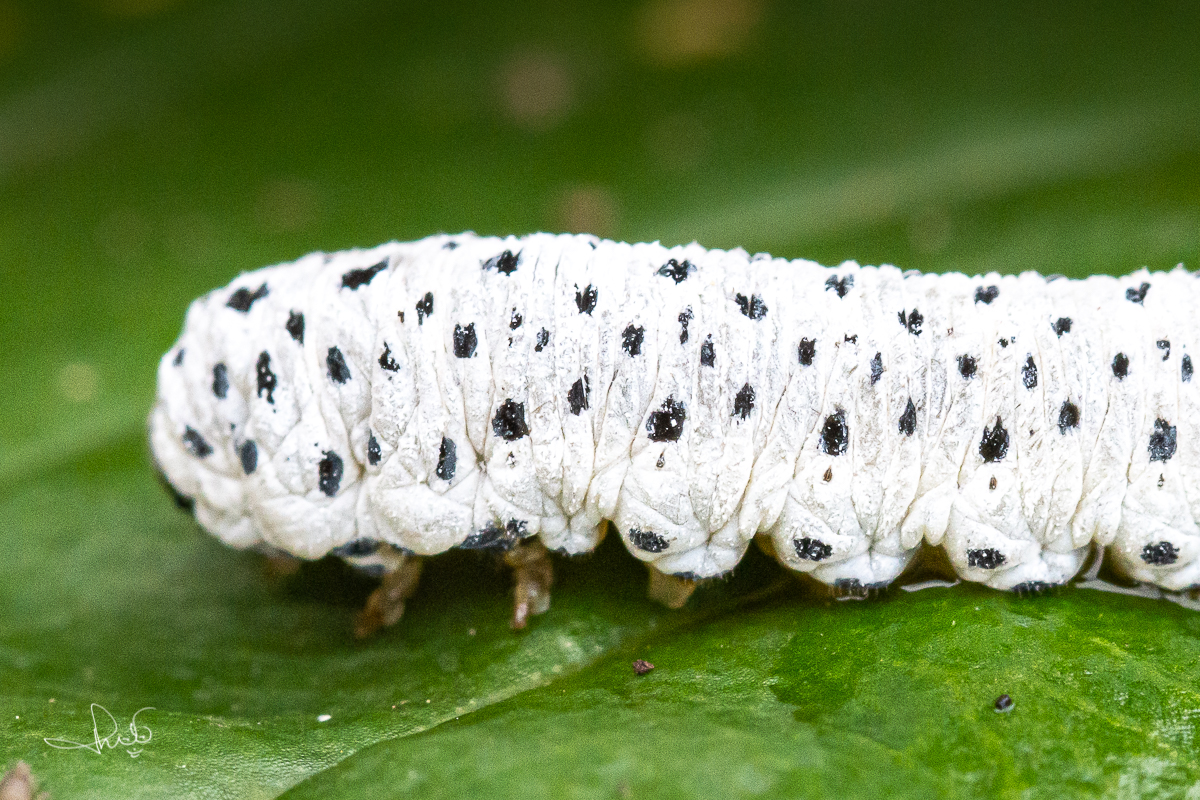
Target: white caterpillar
[{"x": 462, "y": 391}]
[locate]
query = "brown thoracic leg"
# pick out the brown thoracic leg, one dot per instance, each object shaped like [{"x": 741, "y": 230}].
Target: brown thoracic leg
[
  {"x": 385, "y": 606},
  {"x": 532, "y": 575},
  {"x": 669, "y": 590}
]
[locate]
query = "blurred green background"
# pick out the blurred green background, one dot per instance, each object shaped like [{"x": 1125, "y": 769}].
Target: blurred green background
[{"x": 152, "y": 149}]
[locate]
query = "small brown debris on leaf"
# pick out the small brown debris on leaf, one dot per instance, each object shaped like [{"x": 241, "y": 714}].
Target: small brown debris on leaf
[
  {"x": 642, "y": 667},
  {"x": 1004, "y": 703},
  {"x": 19, "y": 784}
]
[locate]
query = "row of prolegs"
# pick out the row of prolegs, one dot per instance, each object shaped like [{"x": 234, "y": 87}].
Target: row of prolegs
[{"x": 533, "y": 574}]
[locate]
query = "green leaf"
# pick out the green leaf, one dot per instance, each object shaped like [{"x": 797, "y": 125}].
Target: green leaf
[{"x": 150, "y": 150}]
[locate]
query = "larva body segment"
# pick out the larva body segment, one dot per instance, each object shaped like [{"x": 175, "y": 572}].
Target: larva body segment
[{"x": 463, "y": 391}]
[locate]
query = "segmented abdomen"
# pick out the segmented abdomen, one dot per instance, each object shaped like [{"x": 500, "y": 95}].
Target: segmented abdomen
[{"x": 461, "y": 391}]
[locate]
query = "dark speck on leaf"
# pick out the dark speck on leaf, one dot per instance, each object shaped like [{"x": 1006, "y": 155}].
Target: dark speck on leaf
[
  {"x": 1003, "y": 703},
  {"x": 640, "y": 666}
]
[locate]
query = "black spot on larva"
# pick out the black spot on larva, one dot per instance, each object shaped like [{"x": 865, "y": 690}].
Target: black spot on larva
[
  {"x": 447, "y": 459},
  {"x": 992, "y": 482},
  {"x": 807, "y": 350},
  {"x": 908, "y": 420},
  {"x": 181, "y": 500},
  {"x": 743, "y": 404},
  {"x": 852, "y": 339},
  {"x": 1185, "y": 369},
  {"x": 339, "y": 372},
  {"x": 985, "y": 558},
  {"x": 676, "y": 270},
  {"x": 1137, "y": 295},
  {"x": 295, "y": 326},
  {"x": 400, "y": 314},
  {"x": 1160, "y": 554},
  {"x": 178, "y": 360},
  {"x": 708, "y": 353},
  {"x": 361, "y": 277},
  {"x": 1120, "y": 365},
  {"x": 912, "y": 322},
  {"x": 465, "y": 340},
  {"x": 450, "y": 245},
  {"x": 967, "y": 366},
  {"x": 1003, "y": 702},
  {"x": 666, "y": 424},
  {"x": 876, "y": 368},
  {"x": 509, "y": 422},
  {"x": 1162, "y": 441},
  {"x": 424, "y": 308},
  {"x": 492, "y": 536},
  {"x": 505, "y": 263},
  {"x": 373, "y": 451},
  {"x": 812, "y": 549},
  {"x": 329, "y": 473},
  {"x": 1165, "y": 346},
  {"x": 649, "y": 541},
  {"x": 543, "y": 339},
  {"x": 577, "y": 396},
  {"x": 266, "y": 379},
  {"x": 386, "y": 361},
  {"x": 516, "y": 528},
  {"x": 1068, "y": 417},
  {"x": 684, "y": 318},
  {"x": 828, "y": 476},
  {"x": 1003, "y": 342},
  {"x": 994, "y": 444},
  {"x": 1029, "y": 372},
  {"x": 986, "y": 294},
  {"x": 248, "y": 455},
  {"x": 515, "y": 320},
  {"x": 631, "y": 339},
  {"x": 752, "y": 307},
  {"x": 220, "y": 384},
  {"x": 1061, "y": 325},
  {"x": 243, "y": 298},
  {"x": 839, "y": 285},
  {"x": 195, "y": 443},
  {"x": 835, "y": 435},
  {"x": 356, "y": 548},
  {"x": 585, "y": 300}
]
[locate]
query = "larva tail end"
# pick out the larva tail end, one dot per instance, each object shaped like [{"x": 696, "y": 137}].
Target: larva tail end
[
  {"x": 385, "y": 606},
  {"x": 673, "y": 592},
  {"x": 533, "y": 573}
]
